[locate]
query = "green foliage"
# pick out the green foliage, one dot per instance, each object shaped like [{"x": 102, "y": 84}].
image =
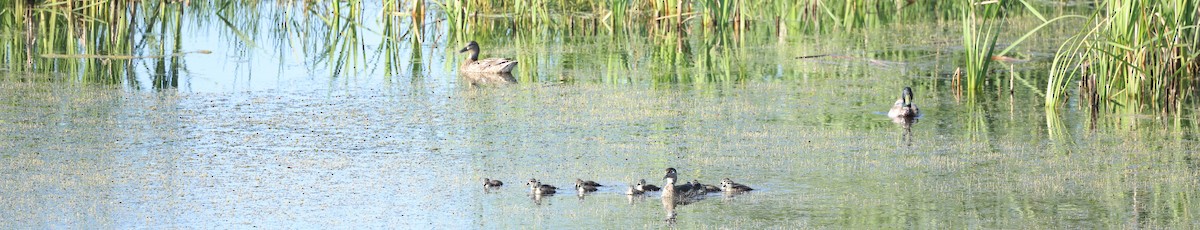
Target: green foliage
[
  {"x": 1140, "y": 56},
  {"x": 980, "y": 30}
]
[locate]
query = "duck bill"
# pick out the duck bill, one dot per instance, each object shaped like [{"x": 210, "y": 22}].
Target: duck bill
[{"x": 462, "y": 50}]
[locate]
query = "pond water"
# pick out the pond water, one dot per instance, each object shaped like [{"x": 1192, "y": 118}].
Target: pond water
[{"x": 260, "y": 137}]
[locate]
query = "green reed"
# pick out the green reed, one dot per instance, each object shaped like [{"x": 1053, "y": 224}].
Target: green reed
[
  {"x": 707, "y": 14},
  {"x": 1140, "y": 56},
  {"x": 982, "y": 25},
  {"x": 69, "y": 28},
  {"x": 979, "y": 31}
]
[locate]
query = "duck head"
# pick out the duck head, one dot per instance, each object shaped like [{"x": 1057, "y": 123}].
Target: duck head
[
  {"x": 471, "y": 46},
  {"x": 671, "y": 176},
  {"x": 907, "y": 96}
]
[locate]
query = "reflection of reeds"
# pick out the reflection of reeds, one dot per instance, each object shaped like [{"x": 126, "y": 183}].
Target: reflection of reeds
[
  {"x": 977, "y": 123},
  {"x": 1056, "y": 128}
]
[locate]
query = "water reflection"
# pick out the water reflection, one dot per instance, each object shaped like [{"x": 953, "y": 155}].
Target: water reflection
[
  {"x": 483, "y": 79},
  {"x": 729, "y": 195},
  {"x": 537, "y": 198},
  {"x": 906, "y": 124},
  {"x": 635, "y": 198}
]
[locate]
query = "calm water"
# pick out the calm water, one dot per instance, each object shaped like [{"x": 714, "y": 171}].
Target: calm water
[{"x": 258, "y": 137}]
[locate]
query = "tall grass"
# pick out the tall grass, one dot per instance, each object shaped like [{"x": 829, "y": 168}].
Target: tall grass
[
  {"x": 1140, "y": 56},
  {"x": 66, "y": 28},
  {"x": 980, "y": 29},
  {"x": 733, "y": 15},
  {"x": 104, "y": 41}
]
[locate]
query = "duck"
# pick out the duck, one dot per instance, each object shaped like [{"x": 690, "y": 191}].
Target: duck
[
  {"x": 492, "y": 183},
  {"x": 584, "y": 187},
  {"x": 645, "y": 187},
  {"x": 904, "y": 108},
  {"x": 536, "y": 187},
  {"x": 706, "y": 187},
  {"x": 490, "y": 65},
  {"x": 728, "y": 185},
  {"x": 680, "y": 193},
  {"x": 587, "y": 182}
]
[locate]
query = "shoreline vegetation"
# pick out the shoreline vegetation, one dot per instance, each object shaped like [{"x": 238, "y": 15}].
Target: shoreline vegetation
[{"x": 1129, "y": 56}]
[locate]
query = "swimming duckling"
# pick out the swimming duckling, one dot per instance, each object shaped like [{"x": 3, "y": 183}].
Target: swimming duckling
[
  {"x": 904, "y": 108},
  {"x": 583, "y": 187},
  {"x": 729, "y": 186},
  {"x": 492, "y": 183},
  {"x": 646, "y": 187},
  {"x": 490, "y": 65},
  {"x": 706, "y": 187},
  {"x": 633, "y": 190},
  {"x": 536, "y": 187},
  {"x": 587, "y": 182}
]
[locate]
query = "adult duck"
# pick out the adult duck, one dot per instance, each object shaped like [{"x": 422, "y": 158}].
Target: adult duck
[
  {"x": 904, "y": 107},
  {"x": 682, "y": 194},
  {"x": 490, "y": 65}
]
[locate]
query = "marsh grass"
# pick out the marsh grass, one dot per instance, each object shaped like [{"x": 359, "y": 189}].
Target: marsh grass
[
  {"x": 693, "y": 41},
  {"x": 709, "y": 36},
  {"x": 982, "y": 25},
  {"x": 980, "y": 29},
  {"x": 107, "y": 41},
  {"x": 1140, "y": 56}
]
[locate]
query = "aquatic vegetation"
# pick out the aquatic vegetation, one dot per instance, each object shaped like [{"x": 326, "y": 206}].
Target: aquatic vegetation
[
  {"x": 980, "y": 30},
  {"x": 1140, "y": 56},
  {"x": 1148, "y": 68}
]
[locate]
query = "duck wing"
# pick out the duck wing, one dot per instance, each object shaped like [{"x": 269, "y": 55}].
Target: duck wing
[
  {"x": 689, "y": 190},
  {"x": 650, "y": 187},
  {"x": 491, "y": 65},
  {"x": 741, "y": 187}
]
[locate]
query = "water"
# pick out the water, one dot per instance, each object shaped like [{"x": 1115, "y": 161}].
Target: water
[{"x": 241, "y": 143}]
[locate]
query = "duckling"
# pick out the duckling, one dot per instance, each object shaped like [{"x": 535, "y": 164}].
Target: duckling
[
  {"x": 706, "y": 187},
  {"x": 492, "y": 183},
  {"x": 729, "y": 186},
  {"x": 633, "y": 190},
  {"x": 904, "y": 108},
  {"x": 583, "y": 187},
  {"x": 643, "y": 186},
  {"x": 490, "y": 65},
  {"x": 536, "y": 187},
  {"x": 587, "y": 182}
]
